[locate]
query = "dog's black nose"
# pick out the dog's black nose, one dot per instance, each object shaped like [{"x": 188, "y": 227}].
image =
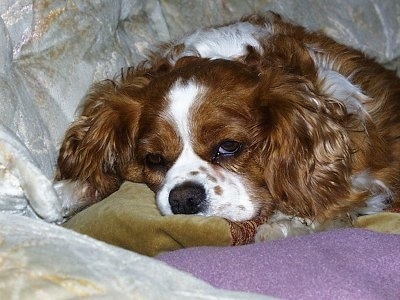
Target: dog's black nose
[{"x": 187, "y": 198}]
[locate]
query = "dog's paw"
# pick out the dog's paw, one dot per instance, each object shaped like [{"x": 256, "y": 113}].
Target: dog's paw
[{"x": 269, "y": 232}]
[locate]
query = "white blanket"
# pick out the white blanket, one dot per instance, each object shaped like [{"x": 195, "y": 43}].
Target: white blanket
[{"x": 44, "y": 261}]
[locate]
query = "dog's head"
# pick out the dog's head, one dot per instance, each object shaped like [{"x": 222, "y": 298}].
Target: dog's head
[{"x": 212, "y": 137}]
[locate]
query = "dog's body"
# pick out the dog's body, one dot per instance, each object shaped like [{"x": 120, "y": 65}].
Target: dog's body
[{"x": 259, "y": 116}]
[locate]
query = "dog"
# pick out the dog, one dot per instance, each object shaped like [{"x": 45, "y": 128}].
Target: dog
[{"x": 256, "y": 117}]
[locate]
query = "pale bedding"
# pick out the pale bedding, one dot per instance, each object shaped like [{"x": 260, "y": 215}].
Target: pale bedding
[{"x": 50, "y": 52}]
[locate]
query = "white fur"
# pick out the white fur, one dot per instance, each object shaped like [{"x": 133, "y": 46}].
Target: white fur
[
  {"x": 381, "y": 194},
  {"x": 228, "y": 42},
  {"x": 280, "y": 226},
  {"x": 234, "y": 203},
  {"x": 340, "y": 88}
]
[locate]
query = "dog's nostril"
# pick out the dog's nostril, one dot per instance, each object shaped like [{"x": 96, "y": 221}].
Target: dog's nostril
[{"x": 187, "y": 198}]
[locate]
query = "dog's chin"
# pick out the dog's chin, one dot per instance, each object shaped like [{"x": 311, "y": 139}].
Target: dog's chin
[{"x": 226, "y": 211}]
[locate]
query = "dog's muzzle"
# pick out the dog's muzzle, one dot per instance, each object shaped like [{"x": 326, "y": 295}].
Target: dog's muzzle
[{"x": 187, "y": 198}]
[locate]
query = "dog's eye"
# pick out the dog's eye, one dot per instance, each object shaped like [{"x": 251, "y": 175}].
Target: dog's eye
[
  {"x": 155, "y": 160},
  {"x": 227, "y": 148}
]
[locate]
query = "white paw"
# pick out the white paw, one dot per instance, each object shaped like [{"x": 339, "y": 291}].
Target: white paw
[{"x": 269, "y": 232}]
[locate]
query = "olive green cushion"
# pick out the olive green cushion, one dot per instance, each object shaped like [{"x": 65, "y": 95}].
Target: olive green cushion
[
  {"x": 129, "y": 218},
  {"x": 386, "y": 222}
]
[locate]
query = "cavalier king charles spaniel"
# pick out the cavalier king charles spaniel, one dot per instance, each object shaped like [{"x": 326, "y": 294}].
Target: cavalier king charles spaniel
[{"x": 257, "y": 117}]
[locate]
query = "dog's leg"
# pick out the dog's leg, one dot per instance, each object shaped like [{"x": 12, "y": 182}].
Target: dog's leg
[{"x": 280, "y": 226}]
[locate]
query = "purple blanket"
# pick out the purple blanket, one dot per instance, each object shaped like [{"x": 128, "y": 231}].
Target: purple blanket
[{"x": 339, "y": 264}]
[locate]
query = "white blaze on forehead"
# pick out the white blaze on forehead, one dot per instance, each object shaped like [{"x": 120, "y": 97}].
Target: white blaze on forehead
[{"x": 182, "y": 98}]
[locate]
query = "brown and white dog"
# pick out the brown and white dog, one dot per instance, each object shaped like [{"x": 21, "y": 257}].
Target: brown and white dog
[{"x": 258, "y": 116}]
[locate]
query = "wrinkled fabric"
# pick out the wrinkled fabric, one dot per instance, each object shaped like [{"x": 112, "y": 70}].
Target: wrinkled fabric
[
  {"x": 44, "y": 261},
  {"x": 21, "y": 179},
  {"x": 51, "y": 51}
]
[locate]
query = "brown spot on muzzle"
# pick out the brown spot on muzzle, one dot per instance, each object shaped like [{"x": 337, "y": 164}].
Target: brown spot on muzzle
[{"x": 218, "y": 190}]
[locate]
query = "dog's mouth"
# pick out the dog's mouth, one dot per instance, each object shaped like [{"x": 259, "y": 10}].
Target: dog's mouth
[{"x": 191, "y": 197}]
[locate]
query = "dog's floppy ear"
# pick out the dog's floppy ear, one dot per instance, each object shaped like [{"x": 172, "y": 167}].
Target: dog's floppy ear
[
  {"x": 305, "y": 148},
  {"x": 101, "y": 140}
]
